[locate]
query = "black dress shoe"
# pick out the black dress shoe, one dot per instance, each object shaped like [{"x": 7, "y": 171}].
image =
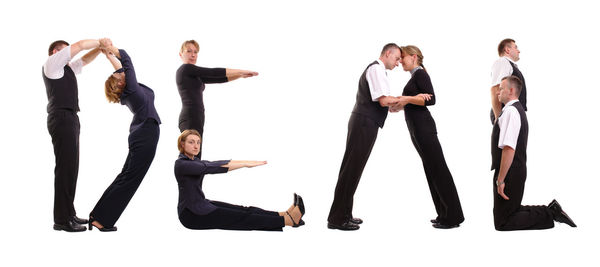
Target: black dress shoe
[
  {"x": 70, "y": 226},
  {"x": 445, "y": 226},
  {"x": 347, "y": 226},
  {"x": 103, "y": 229},
  {"x": 559, "y": 214},
  {"x": 78, "y": 220},
  {"x": 434, "y": 221},
  {"x": 356, "y": 220}
]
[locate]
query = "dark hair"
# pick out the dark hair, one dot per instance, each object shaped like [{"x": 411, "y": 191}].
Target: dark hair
[
  {"x": 503, "y": 45},
  {"x": 54, "y": 44},
  {"x": 514, "y": 82},
  {"x": 389, "y": 47}
]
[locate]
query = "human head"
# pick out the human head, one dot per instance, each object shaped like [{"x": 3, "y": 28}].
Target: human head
[
  {"x": 411, "y": 57},
  {"x": 188, "y": 142},
  {"x": 509, "y": 48},
  {"x": 390, "y": 55},
  {"x": 113, "y": 87},
  {"x": 189, "y": 52},
  {"x": 57, "y": 46},
  {"x": 510, "y": 89}
]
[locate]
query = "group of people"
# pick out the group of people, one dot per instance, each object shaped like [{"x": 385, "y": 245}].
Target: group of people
[{"x": 373, "y": 102}]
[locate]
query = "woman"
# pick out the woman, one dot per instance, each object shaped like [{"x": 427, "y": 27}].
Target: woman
[
  {"x": 418, "y": 93},
  {"x": 190, "y": 83},
  {"x": 122, "y": 86},
  {"x": 197, "y": 212}
]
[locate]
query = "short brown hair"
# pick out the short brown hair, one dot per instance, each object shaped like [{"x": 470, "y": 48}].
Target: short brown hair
[
  {"x": 514, "y": 82},
  {"x": 389, "y": 47},
  {"x": 54, "y": 44},
  {"x": 184, "y": 135},
  {"x": 503, "y": 45},
  {"x": 112, "y": 90},
  {"x": 189, "y": 42}
]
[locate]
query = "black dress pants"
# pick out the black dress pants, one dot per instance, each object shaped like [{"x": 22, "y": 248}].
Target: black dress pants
[
  {"x": 510, "y": 214},
  {"x": 142, "y": 147},
  {"x": 63, "y": 126},
  {"x": 423, "y": 134},
  {"x": 362, "y": 133},
  {"x": 233, "y": 217},
  {"x": 191, "y": 120}
]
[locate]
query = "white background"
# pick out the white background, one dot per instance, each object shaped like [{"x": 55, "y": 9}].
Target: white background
[{"x": 310, "y": 55}]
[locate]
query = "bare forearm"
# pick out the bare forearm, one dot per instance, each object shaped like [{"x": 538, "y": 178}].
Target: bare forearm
[
  {"x": 90, "y": 56},
  {"x": 508, "y": 155},
  {"x": 387, "y": 101},
  {"x": 415, "y": 100},
  {"x": 496, "y": 105},
  {"x": 114, "y": 61},
  {"x": 83, "y": 45},
  {"x": 234, "y": 74},
  {"x": 236, "y": 164}
]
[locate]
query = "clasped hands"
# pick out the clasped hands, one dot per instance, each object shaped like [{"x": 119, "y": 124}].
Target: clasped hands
[
  {"x": 106, "y": 46},
  {"x": 399, "y": 102}
]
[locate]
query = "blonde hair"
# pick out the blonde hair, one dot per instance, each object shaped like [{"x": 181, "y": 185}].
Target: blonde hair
[
  {"x": 112, "y": 90},
  {"x": 184, "y": 135},
  {"x": 413, "y": 50},
  {"x": 189, "y": 42}
]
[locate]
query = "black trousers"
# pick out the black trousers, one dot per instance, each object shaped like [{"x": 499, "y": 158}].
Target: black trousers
[
  {"x": 63, "y": 126},
  {"x": 362, "y": 133},
  {"x": 510, "y": 214},
  {"x": 233, "y": 217},
  {"x": 142, "y": 147},
  {"x": 189, "y": 120},
  {"x": 423, "y": 134}
]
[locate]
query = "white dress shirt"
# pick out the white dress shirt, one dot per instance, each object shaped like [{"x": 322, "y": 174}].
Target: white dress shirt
[
  {"x": 378, "y": 81},
  {"x": 500, "y": 69},
  {"x": 510, "y": 125},
  {"x": 54, "y": 66}
]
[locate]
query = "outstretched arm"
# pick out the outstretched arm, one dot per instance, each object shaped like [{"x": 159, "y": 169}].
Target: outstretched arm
[
  {"x": 113, "y": 60},
  {"x": 90, "y": 56},
  {"x": 84, "y": 45},
  {"x": 233, "y": 74},
  {"x": 236, "y": 164}
]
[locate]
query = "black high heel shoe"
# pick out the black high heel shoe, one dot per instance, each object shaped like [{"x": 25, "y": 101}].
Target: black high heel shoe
[
  {"x": 298, "y": 201},
  {"x": 103, "y": 229},
  {"x": 294, "y": 224}
]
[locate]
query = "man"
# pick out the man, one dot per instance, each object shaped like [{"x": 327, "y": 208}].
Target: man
[
  {"x": 502, "y": 67},
  {"x": 369, "y": 114},
  {"x": 63, "y": 124},
  {"x": 509, "y": 157}
]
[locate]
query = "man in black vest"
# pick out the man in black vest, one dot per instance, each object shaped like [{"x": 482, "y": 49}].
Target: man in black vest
[
  {"x": 371, "y": 108},
  {"x": 509, "y": 160},
  {"x": 506, "y": 66},
  {"x": 63, "y": 124}
]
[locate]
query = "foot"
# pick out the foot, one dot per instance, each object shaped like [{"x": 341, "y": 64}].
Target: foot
[
  {"x": 102, "y": 228},
  {"x": 294, "y": 217},
  {"x": 79, "y": 220},
  {"x": 559, "y": 214},
  {"x": 70, "y": 226},
  {"x": 356, "y": 220},
  {"x": 346, "y": 226},
  {"x": 444, "y": 226}
]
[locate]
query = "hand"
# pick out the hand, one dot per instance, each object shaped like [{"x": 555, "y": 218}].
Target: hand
[
  {"x": 501, "y": 191},
  {"x": 396, "y": 108},
  {"x": 104, "y": 43},
  {"x": 248, "y": 74},
  {"x": 425, "y": 97},
  {"x": 254, "y": 163}
]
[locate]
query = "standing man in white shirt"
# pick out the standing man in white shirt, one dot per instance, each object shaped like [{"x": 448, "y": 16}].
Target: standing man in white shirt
[
  {"x": 63, "y": 124},
  {"x": 369, "y": 114},
  {"x": 506, "y": 66},
  {"x": 509, "y": 160}
]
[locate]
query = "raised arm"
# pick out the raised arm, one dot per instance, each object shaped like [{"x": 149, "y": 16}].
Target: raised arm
[
  {"x": 113, "y": 60},
  {"x": 90, "y": 56},
  {"x": 84, "y": 45},
  {"x": 236, "y": 164},
  {"x": 233, "y": 74}
]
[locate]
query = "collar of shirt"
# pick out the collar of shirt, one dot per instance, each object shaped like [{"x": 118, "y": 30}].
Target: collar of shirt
[
  {"x": 412, "y": 72},
  {"x": 510, "y": 60},
  {"x": 381, "y": 64},
  {"x": 509, "y": 104},
  {"x": 183, "y": 156}
]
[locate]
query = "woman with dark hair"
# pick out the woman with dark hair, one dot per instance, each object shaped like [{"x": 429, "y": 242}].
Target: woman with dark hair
[
  {"x": 417, "y": 95},
  {"x": 197, "y": 212},
  {"x": 191, "y": 81},
  {"x": 123, "y": 87}
]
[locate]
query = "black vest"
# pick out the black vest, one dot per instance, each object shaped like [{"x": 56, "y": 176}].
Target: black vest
[
  {"x": 520, "y": 158},
  {"x": 62, "y": 93},
  {"x": 364, "y": 103},
  {"x": 523, "y": 96}
]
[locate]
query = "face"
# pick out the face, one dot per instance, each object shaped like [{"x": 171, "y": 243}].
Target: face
[
  {"x": 120, "y": 77},
  {"x": 408, "y": 61},
  {"x": 58, "y": 48},
  {"x": 191, "y": 145},
  {"x": 391, "y": 58},
  {"x": 189, "y": 55},
  {"x": 512, "y": 51},
  {"x": 504, "y": 92}
]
